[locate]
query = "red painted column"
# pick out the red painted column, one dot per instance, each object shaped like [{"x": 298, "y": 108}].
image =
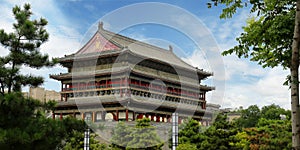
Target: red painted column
[
  {"x": 147, "y": 115},
  {"x": 93, "y": 116},
  {"x": 140, "y": 116},
  {"x": 60, "y": 116},
  {"x": 152, "y": 117},
  {"x": 126, "y": 114},
  {"x": 117, "y": 115},
  {"x": 82, "y": 116},
  {"x": 53, "y": 115},
  {"x": 133, "y": 116},
  {"x": 65, "y": 96},
  {"x": 157, "y": 118}
]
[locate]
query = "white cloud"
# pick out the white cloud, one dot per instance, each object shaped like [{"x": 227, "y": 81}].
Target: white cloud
[
  {"x": 266, "y": 90},
  {"x": 63, "y": 39},
  {"x": 246, "y": 82},
  {"x": 60, "y": 42}
]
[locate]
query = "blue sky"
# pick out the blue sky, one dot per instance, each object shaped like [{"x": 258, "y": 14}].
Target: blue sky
[{"x": 72, "y": 22}]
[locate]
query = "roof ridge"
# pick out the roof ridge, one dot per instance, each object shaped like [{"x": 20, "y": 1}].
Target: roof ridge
[
  {"x": 117, "y": 35},
  {"x": 92, "y": 39},
  {"x": 76, "y": 53},
  {"x": 170, "y": 51}
]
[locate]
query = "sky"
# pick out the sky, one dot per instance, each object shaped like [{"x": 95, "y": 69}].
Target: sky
[{"x": 196, "y": 33}]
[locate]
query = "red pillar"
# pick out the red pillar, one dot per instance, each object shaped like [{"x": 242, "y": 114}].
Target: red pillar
[
  {"x": 126, "y": 114},
  {"x": 152, "y": 117},
  {"x": 140, "y": 116},
  {"x": 60, "y": 116},
  {"x": 147, "y": 115},
  {"x": 82, "y": 116},
  {"x": 133, "y": 116},
  {"x": 93, "y": 116},
  {"x": 53, "y": 115},
  {"x": 65, "y": 96},
  {"x": 157, "y": 118},
  {"x": 179, "y": 120},
  {"x": 117, "y": 115}
]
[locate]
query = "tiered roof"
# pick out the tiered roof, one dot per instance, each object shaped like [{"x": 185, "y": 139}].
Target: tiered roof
[{"x": 105, "y": 43}]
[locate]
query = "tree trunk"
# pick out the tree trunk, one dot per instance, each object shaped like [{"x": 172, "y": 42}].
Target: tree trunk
[
  {"x": 10, "y": 79},
  {"x": 295, "y": 81}
]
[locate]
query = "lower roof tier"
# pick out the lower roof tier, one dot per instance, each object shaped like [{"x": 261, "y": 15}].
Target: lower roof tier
[{"x": 137, "y": 104}]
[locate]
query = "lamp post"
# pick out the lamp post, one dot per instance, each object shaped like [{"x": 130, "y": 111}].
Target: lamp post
[
  {"x": 174, "y": 130},
  {"x": 86, "y": 145}
]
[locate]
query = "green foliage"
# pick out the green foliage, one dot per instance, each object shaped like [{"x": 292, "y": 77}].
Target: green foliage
[
  {"x": 23, "y": 45},
  {"x": 186, "y": 146},
  {"x": 243, "y": 142},
  {"x": 142, "y": 136},
  {"x": 16, "y": 106},
  {"x": 189, "y": 132},
  {"x": 269, "y": 39},
  {"x": 273, "y": 112},
  {"x": 120, "y": 135},
  {"x": 249, "y": 117},
  {"x": 221, "y": 134},
  {"x": 76, "y": 142},
  {"x": 22, "y": 125},
  {"x": 270, "y": 134},
  {"x": 268, "y": 35}
]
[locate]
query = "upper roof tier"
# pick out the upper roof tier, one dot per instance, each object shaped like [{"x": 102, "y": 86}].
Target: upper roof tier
[{"x": 105, "y": 42}]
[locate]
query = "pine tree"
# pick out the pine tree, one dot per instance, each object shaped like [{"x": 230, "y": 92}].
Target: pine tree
[
  {"x": 24, "y": 50},
  {"x": 142, "y": 136}
]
